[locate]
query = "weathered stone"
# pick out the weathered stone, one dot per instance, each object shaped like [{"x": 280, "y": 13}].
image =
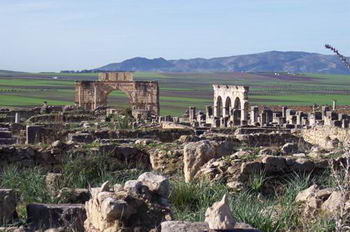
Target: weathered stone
[
  {"x": 8, "y": 203},
  {"x": 302, "y": 165},
  {"x": 57, "y": 144},
  {"x": 155, "y": 183},
  {"x": 33, "y": 134},
  {"x": 52, "y": 181},
  {"x": 144, "y": 142},
  {"x": 198, "y": 153},
  {"x": 235, "y": 96},
  {"x": 252, "y": 167},
  {"x": 188, "y": 139},
  {"x": 80, "y": 138},
  {"x": 289, "y": 148},
  {"x": 60, "y": 229},
  {"x": 235, "y": 186},
  {"x": 181, "y": 226},
  {"x": 74, "y": 195},
  {"x": 266, "y": 151},
  {"x": 133, "y": 186},
  {"x": 115, "y": 211},
  {"x": 219, "y": 216},
  {"x": 335, "y": 203},
  {"x": 143, "y": 95},
  {"x": 274, "y": 164},
  {"x": 304, "y": 195},
  {"x": 45, "y": 216}
]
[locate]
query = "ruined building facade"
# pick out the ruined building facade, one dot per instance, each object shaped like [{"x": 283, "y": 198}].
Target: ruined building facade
[
  {"x": 231, "y": 108},
  {"x": 143, "y": 95}
]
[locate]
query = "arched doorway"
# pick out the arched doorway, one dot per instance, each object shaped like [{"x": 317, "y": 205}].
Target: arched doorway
[
  {"x": 218, "y": 107},
  {"x": 118, "y": 100},
  {"x": 237, "y": 105},
  {"x": 237, "y": 109},
  {"x": 227, "y": 106}
]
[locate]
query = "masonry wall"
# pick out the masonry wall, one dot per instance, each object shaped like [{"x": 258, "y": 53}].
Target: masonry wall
[{"x": 324, "y": 136}]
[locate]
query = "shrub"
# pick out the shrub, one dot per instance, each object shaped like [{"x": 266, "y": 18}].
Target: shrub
[
  {"x": 28, "y": 182},
  {"x": 94, "y": 169}
]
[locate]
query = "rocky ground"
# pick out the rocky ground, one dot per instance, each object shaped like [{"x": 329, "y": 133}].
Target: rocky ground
[{"x": 154, "y": 179}]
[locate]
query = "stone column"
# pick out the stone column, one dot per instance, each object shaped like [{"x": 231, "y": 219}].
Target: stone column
[
  {"x": 334, "y": 105},
  {"x": 244, "y": 111},
  {"x": 17, "y": 118},
  {"x": 284, "y": 111},
  {"x": 254, "y": 111},
  {"x": 209, "y": 111},
  {"x": 192, "y": 113}
]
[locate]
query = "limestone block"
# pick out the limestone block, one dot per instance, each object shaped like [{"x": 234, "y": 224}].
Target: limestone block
[
  {"x": 219, "y": 216},
  {"x": 155, "y": 183},
  {"x": 8, "y": 204}
]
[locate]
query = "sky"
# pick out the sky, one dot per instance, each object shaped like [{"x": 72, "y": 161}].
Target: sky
[{"x": 54, "y": 35}]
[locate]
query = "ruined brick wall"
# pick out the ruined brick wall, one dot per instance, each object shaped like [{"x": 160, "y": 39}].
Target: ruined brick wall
[
  {"x": 143, "y": 95},
  {"x": 116, "y": 76},
  {"x": 324, "y": 135}
]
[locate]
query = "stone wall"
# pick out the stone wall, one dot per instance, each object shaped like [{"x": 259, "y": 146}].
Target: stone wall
[
  {"x": 326, "y": 136},
  {"x": 163, "y": 135}
]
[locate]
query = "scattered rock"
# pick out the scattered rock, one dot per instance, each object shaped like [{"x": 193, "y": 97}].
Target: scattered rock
[
  {"x": 8, "y": 203},
  {"x": 198, "y": 153},
  {"x": 155, "y": 183},
  {"x": 45, "y": 216},
  {"x": 188, "y": 139},
  {"x": 289, "y": 148},
  {"x": 274, "y": 164},
  {"x": 180, "y": 226},
  {"x": 52, "y": 181},
  {"x": 304, "y": 195},
  {"x": 133, "y": 208},
  {"x": 219, "y": 216},
  {"x": 73, "y": 195},
  {"x": 336, "y": 203}
]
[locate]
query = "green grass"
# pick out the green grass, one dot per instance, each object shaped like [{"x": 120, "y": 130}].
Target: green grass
[
  {"x": 270, "y": 213},
  {"x": 178, "y": 91},
  {"x": 7, "y": 100}
]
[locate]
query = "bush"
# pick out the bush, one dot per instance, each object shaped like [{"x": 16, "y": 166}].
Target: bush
[
  {"x": 190, "y": 200},
  {"x": 28, "y": 182},
  {"x": 93, "y": 170}
]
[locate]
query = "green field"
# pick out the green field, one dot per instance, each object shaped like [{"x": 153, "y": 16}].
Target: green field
[{"x": 180, "y": 90}]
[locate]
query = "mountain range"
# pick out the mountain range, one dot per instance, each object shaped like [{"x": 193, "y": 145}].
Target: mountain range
[{"x": 272, "y": 61}]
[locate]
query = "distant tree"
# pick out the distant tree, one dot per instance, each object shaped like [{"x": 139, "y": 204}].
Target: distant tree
[{"x": 342, "y": 58}]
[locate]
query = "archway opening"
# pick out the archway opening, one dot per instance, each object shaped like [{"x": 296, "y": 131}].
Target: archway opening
[
  {"x": 118, "y": 100},
  {"x": 237, "y": 109},
  {"x": 237, "y": 104},
  {"x": 219, "y": 107},
  {"x": 227, "y": 106}
]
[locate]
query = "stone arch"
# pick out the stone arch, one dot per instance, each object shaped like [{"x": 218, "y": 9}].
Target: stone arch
[
  {"x": 110, "y": 91},
  {"x": 228, "y": 106},
  {"x": 143, "y": 95},
  {"x": 219, "y": 106}
]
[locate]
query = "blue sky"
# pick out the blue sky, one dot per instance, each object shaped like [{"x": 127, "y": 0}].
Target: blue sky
[{"x": 54, "y": 35}]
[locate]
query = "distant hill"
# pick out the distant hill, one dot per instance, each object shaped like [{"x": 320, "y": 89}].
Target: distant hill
[{"x": 273, "y": 61}]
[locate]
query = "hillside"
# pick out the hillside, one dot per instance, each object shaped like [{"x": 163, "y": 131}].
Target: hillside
[{"x": 273, "y": 61}]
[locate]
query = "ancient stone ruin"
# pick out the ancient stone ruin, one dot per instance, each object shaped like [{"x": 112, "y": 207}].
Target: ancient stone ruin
[
  {"x": 143, "y": 95},
  {"x": 231, "y": 108},
  {"x": 244, "y": 153}
]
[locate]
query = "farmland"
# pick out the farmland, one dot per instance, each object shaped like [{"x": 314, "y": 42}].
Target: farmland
[{"x": 180, "y": 90}]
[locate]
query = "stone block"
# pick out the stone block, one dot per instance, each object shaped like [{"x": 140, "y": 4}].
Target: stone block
[
  {"x": 8, "y": 202},
  {"x": 45, "y": 216}
]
